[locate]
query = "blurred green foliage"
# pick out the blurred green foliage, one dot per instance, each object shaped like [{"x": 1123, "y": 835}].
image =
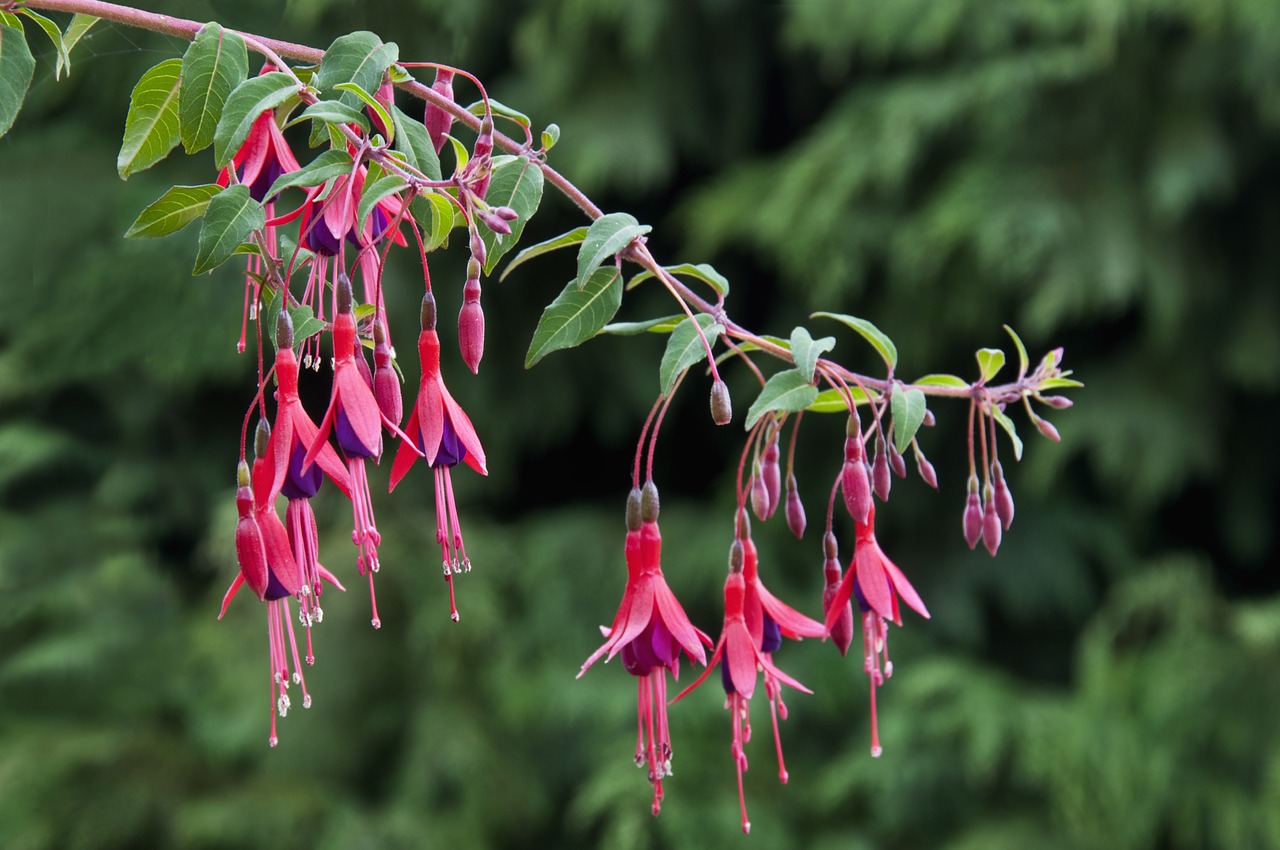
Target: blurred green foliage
[{"x": 1098, "y": 174}]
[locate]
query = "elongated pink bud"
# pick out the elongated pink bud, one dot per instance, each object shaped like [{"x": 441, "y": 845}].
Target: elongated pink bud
[
  {"x": 1004, "y": 499},
  {"x": 854, "y": 482},
  {"x": 759, "y": 495},
  {"x": 471, "y": 326},
  {"x": 842, "y": 629},
  {"x": 973, "y": 515},
  {"x": 386, "y": 385},
  {"x": 880, "y": 477},
  {"x": 506, "y": 213},
  {"x": 721, "y": 404},
  {"x": 991, "y": 525},
  {"x": 1046, "y": 428},
  {"x": 494, "y": 223},
  {"x": 927, "y": 473},
  {"x": 251, "y": 553},
  {"x": 1057, "y": 402},
  {"x": 795, "y": 508},
  {"x": 476, "y": 245},
  {"x": 896, "y": 463},
  {"x": 437, "y": 121},
  {"x": 771, "y": 471}
]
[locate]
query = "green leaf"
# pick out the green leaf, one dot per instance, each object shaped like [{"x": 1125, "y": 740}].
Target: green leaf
[
  {"x": 870, "y": 333},
  {"x": 606, "y": 236},
  {"x": 701, "y": 271},
  {"x": 990, "y": 362},
  {"x": 328, "y": 165},
  {"x": 80, "y": 24},
  {"x": 16, "y": 67},
  {"x": 172, "y": 211},
  {"x": 371, "y": 102},
  {"x": 908, "y": 408},
  {"x": 460, "y": 153},
  {"x": 937, "y": 380},
  {"x": 360, "y": 58},
  {"x": 435, "y": 215},
  {"x": 1022, "y": 353},
  {"x": 564, "y": 240},
  {"x": 214, "y": 64},
  {"x": 305, "y": 324},
  {"x": 550, "y": 136},
  {"x": 1007, "y": 424},
  {"x": 685, "y": 348},
  {"x": 805, "y": 350},
  {"x": 249, "y": 100},
  {"x": 332, "y": 112},
  {"x": 663, "y": 324},
  {"x": 231, "y": 216},
  {"x": 55, "y": 35},
  {"x": 577, "y": 314},
  {"x": 785, "y": 391},
  {"x": 517, "y": 183},
  {"x": 832, "y": 401},
  {"x": 1059, "y": 383},
  {"x": 412, "y": 141},
  {"x": 376, "y": 191},
  {"x": 151, "y": 129},
  {"x": 503, "y": 110}
]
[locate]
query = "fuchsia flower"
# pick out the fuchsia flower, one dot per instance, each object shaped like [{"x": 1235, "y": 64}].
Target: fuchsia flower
[
  {"x": 877, "y": 584},
  {"x": 439, "y": 431},
  {"x": 742, "y": 652},
  {"x": 354, "y": 417},
  {"x": 650, "y": 629}
]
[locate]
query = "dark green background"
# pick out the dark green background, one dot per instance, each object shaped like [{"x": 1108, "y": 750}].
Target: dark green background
[{"x": 1101, "y": 175}]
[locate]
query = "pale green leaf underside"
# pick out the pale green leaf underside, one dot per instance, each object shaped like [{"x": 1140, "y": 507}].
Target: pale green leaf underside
[
  {"x": 1007, "y": 424},
  {"x": 908, "y": 407},
  {"x": 833, "y": 401},
  {"x": 701, "y": 271},
  {"x": 662, "y": 324},
  {"x": 990, "y": 362}
]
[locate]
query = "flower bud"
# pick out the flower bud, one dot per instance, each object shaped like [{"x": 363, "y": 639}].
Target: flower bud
[
  {"x": 973, "y": 515},
  {"x": 437, "y": 121},
  {"x": 484, "y": 139},
  {"x": 759, "y": 495},
  {"x": 856, "y": 487},
  {"x": 1057, "y": 402},
  {"x": 795, "y": 509},
  {"x": 721, "y": 405},
  {"x": 471, "y": 326},
  {"x": 852, "y": 429},
  {"x": 506, "y": 213},
  {"x": 344, "y": 293},
  {"x": 881, "y": 479},
  {"x": 1046, "y": 428},
  {"x": 929, "y": 421},
  {"x": 896, "y": 463},
  {"x": 927, "y": 473},
  {"x": 842, "y": 629},
  {"x": 1004, "y": 499},
  {"x": 633, "y": 509},
  {"x": 772, "y": 473},
  {"x": 476, "y": 244},
  {"x": 494, "y": 223},
  {"x": 831, "y": 549},
  {"x": 991, "y": 525},
  {"x": 736, "y": 557},
  {"x": 251, "y": 553},
  {"x": 428, "y": 312},
  {"x": 261, "y": 438},
  {"x": 386, "y": 385},
  {"x": 284, "y": 329},
  {"x": 649, "y": 502}
]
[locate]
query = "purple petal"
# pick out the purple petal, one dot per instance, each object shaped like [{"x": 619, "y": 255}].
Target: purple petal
[
  {"x": 347, "y": 439},
  {"x": 299, "y": 484}
]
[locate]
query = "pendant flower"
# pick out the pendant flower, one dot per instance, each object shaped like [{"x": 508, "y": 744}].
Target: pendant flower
[
  {"x": 876, "y": 584},
  {"x": 439, "y": 431},
  {"x": 650, "y": 629}
]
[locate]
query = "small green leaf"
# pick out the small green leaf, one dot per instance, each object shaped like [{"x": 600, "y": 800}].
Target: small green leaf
[
  {"x": 151, "y": 129},
  {"x": 1059, "y": 383},
  {"x": 55, "y": 35},
  {"x": 364, "y": 311},
  {"x": 701, "y": 271},
  {"x": 398, "y": 74},
  {"x": 550, "y": 136},
  {"x": 832, "y": 401},
  {"x": 412, "y": 141},
  {"x": 376, "y": 191},
  {"x": 328, "y": 165},
  {"x": 564, "y": 240},
  {"x": 371, "y": 102},
  {"x": 805, "y": 350},
  {"x": 1022, "y": 353},
  {"x": 577, "y": 314},
  {"x": 461, "y": 156},
  {"x": 16, "y": 67},
  {"x": 305, "y": 324},
  {"x": 214, "y": 64},
  {"x": 517, "y": 183},
  {"x": 435, "y": 215},
  {"x": 332, "y": 112},
  {"x": 685, "y": 348},
  {"x": 231, "y": 216},
  {"x": 172, "y": 211},
  {"x": 663, "y": 324},
  {"x": 937, "y": 380},
  {"x": 80, "y": 24},
  {"x": 503, "y": 110},
  {"x": 990, "y": 362},
  {"x": 870, "y": 333},
  {"x": 249, "y": 100},
  {"x": 1007, "y": 424},
  {"x": 908, "y": 408},
  {"x": 786, "y": 391},
  {"x": 360, "y": 58},
  {"x": 606, "y": 236}
]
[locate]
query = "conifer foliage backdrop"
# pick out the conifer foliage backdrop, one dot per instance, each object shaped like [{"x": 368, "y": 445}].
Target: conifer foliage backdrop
[{"x": 1097, "y": 173}]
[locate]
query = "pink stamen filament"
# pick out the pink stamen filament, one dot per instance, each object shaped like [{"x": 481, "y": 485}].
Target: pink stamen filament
[
  {"x": 777, "y": 709},
  {"x": 741, "y": 735},
  {"x": 364, "y": 534}
]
